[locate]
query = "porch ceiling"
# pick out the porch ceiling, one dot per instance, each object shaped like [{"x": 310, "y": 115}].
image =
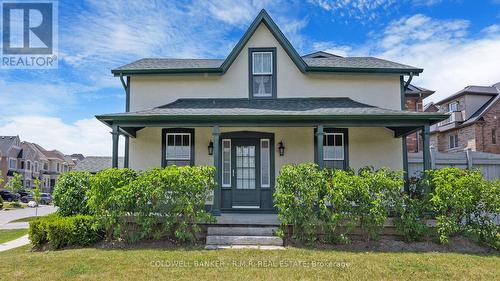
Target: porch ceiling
[{"x": 271, "y": 112}]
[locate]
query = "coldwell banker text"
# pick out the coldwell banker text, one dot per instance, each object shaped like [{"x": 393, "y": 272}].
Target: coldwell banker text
[{"x": 29, "y": 34}]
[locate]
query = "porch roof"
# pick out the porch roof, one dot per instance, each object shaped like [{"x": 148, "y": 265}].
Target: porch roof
[{"x": 298, "y": 110}]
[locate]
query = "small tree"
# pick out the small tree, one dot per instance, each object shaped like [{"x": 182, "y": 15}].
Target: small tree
[
  {"x": 15, "y": 183},
  {"x": 37, "y": 196}
]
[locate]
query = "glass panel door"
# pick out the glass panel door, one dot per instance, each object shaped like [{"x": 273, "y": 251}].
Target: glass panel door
[{"x": 245, "y": 167}]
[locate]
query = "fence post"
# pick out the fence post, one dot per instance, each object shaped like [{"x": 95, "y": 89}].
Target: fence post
[{"x": 468, "y": 154}]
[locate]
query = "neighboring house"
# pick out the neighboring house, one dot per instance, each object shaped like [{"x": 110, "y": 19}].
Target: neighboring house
[
  {"x": 10, "y": 148},
  {"x": 262, "y": 107},
  {"x": 94, "y": 164},
  {"x": 474, "y": 121},
  {"x": 414, "y": 97}
]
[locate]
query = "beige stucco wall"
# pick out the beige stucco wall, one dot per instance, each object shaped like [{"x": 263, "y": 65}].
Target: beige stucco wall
[
  {"x": 379, "y": 90},
  {"x": 367, "y": 146}
]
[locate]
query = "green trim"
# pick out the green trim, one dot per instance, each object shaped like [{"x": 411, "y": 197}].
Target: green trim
[
  {"x": 115, "y": 137},
  {"x": 217, "y": 155},
  {"x": 319, "y": 155},
  {"x": 267, "y": 118},
  {"x": 274, "y": 75},
  {"x": 263, "y": 17}
]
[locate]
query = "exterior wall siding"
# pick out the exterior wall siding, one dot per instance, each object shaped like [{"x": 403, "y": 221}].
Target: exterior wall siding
[
  {"x": 367, "y": 147},
  {"x": 152, "y": 91}
]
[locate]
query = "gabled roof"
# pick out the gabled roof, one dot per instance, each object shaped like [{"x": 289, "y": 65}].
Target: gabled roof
[
  {"x": 7, "y": 143},
  {"x": 267, "y": 110},
  {"x": 320, "y": 54},
  {"x": 304, "y": 64},
  {"x": 413, "y": 90},
  {"x": 492, "y": 90},
  {"x": 94, "y": 164},
  {"x": 50, "y": 154},
  {"x": 482, "y": 110}
]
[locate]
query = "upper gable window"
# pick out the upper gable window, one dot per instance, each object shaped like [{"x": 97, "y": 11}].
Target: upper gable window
[
  {"x": 452, "y": 107},
  {"x": 262, "y": 68}
]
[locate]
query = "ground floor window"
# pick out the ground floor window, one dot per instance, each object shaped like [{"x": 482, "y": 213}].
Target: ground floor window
[
  {"x": 335, "y": 148},
  {"x": 453, "y": 141},
  {"x": 178, "y": 147}
]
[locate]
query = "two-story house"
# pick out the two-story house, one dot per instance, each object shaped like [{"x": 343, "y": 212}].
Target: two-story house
[
  {"x": 10, "y": 148},
  {"x": 474, "y": 120},
  {"x": 414, "y": 101},
  {"x": 262, "y": 107}
]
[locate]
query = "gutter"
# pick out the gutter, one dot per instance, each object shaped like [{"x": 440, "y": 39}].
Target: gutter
[{"x": 409, "y": 81}]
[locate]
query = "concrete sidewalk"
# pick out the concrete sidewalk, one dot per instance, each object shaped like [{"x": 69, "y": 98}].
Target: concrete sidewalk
[{"x": 21, "y": 241}]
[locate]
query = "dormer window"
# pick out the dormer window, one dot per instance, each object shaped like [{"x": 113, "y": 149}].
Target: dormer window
[{"x": 262, "y": 72}]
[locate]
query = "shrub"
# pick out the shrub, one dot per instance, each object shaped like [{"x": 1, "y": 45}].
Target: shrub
[
  {"x": 335, "y": 201},
  {"x": 1, "y": 202},
  {"x": 364, "y": 199},
  {"x": 465, "y": 202},
  {"x": 111, "y": 200},
  {"x": 171, "y": 201},
  {"x": 297, "y": 197},
  {"x": 61, "y": 232},
  {"x": 410, "y": 217},
  {"x": 70, "y": 193}
]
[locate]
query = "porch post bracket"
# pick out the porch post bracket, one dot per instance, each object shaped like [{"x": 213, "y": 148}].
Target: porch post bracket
[
  {"x": 217, "y": 163},
  {"x": 319, "y": 146},
  {"x": 115, "y": 135}
]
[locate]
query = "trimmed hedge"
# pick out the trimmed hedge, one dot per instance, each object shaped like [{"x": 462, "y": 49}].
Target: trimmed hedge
[
  {"x": 62, "y": 232},
  {"x": 334, "y": 202}
]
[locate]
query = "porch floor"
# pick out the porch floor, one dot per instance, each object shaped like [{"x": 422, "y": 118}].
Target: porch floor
[{"x": 248, "y": 219}]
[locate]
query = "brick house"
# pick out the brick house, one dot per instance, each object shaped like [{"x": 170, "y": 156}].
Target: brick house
[
  {"x": 414, "y": 97},
  {"x": 473, "y": 122}
]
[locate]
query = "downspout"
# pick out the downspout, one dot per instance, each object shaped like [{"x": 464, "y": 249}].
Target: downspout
[
  {"x": 409, "y": 81},
  {"x": 126, "y": 86}
]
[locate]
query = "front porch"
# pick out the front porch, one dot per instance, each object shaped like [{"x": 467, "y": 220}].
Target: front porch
[{"x": 249, "y": 142}]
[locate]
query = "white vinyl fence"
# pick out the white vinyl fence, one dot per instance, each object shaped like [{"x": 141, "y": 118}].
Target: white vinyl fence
[{"x": 488, "y": 163}]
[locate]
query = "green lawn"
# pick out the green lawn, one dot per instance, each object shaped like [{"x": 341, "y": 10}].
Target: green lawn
[
  {"x": 11, "y": 234},
  {"x": 198, "y": 264},
  {"x": 28, "y": 219}
]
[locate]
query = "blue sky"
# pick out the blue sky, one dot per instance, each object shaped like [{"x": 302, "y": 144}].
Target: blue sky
[{"x": 456, "y": 42}]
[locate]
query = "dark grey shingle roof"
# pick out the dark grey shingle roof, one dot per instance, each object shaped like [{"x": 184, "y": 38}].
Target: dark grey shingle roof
[
  {"x": 94, "y": 164},
  {"x": 266, "y": 107},
  {"x": 333, "y": 61},
  {"x": 355, "y": 62},
  {"x": 474, "y": 90},
  {"x": 482, "y": 110},
  {"x": 159, "y": 63},
  {"x": 417, "y": 90}
]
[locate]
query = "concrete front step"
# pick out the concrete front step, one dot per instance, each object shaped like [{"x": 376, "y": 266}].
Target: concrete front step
[
  {"x": 220, "y": 240},
  {"x": 224, "y": 247},
  {"x": 241, "y": 231}
]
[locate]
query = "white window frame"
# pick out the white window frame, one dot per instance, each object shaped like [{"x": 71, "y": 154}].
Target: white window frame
[
  {"x": 253, "y": 63},
  {"x": 35, "y": 167},
  {"x": 455, "y": 140},
  {"x": 453, "y": 105},
  {"x": 343, "y": 147},
  {"x": 230, "y": 163},
  {"x": 28, "y": 165},
  {"x": 10, "y": 161},
  {"x": 58, "y": 167},
  {"x": 166, "y": 146},
  {"x": 269, "y": 164}
]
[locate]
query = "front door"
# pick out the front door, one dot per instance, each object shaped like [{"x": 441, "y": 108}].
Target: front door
[{"x": 245, "y": 169}]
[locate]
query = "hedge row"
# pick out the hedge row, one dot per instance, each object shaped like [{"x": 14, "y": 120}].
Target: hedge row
[
  {"x": 333, "y": 202},
  {"x": 162, "y": 202},
  {"x": 60, "y": 232}
]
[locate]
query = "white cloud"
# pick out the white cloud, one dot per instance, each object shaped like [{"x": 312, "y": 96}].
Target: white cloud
[
  {"x": 450, "y": 57},
  {"x": 86, "y": 136}
]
